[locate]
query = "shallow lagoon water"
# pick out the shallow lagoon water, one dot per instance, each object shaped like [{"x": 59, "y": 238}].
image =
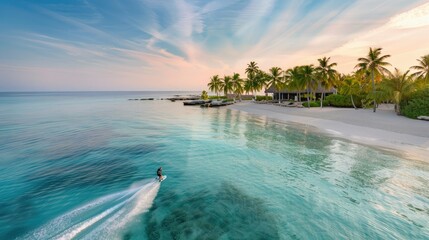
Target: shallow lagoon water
[{"x": 82, "y": 165}]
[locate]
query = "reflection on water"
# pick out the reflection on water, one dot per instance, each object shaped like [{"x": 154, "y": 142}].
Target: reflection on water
[
  {"x": 352, "y": 177},
  {"x": 290, "y": 141},
  {"x": 230, "y": 174}
]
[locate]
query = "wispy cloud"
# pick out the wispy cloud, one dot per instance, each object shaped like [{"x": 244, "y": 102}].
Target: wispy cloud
[
  {"x": 74, "y": 22},
  {"x": 414, "y": 18},
  {"x": 72, "y": 49},
  {"x": 251, "y": 17},
  {"x": 149, "y": 44},
  {"x": 400, "y": 36}
]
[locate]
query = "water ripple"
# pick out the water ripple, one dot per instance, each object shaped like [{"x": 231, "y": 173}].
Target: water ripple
[{"x": 231, "y": 175}]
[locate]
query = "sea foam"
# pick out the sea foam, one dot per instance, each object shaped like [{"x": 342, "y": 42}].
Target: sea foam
[{"x": 103, "y": 218}]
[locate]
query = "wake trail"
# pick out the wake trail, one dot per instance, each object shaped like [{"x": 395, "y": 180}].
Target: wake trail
[
  {"x": 102, "y": 218},
  {"x": 142, "y": 201}
]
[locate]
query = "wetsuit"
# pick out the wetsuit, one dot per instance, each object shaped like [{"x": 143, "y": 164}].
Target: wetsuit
[{"x": 159, "y": 172}]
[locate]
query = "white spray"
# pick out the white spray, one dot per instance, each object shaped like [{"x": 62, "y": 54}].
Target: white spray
[{"x": 94, "y": 221}]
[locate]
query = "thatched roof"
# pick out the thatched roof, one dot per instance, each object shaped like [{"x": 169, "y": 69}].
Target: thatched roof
[{"x": 285, "y": 90}]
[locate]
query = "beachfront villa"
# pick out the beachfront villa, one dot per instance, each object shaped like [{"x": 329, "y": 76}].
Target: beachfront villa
[{"x": 298, "y": 95}]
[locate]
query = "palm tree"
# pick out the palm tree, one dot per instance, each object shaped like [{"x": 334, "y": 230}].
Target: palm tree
[
  {"x": 294, "y": 82},
  {"x": 363, "y": 77},
  {"x": 252, "y": 68},
  {"x": 422, "y": 69},
  {"x": 252, "y": 82},
  {"x": 307, "y": 78},
  {"x": 326, "y": 75},
  {"x": 215, "y": 85},
  {"x": 227, "y": 85},
  {"x": 376, "y": 65},
  {"x": 248, "y": 86},
  {"x": 204, "y": 95},
  {"x": 237, "y": 85},
  {"x": 349, "y": 86},
  {"x": 397, "y": 86},
  {"x": 262, "y": 80},
  {"x": 275, "y": 79}
]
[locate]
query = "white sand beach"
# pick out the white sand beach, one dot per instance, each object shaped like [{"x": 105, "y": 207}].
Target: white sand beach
[{"x": 383, "y": 129}]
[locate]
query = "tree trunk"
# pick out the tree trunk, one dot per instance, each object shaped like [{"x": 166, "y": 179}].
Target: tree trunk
[
  {"x": 266, "y": 95},
  {"x": 321, "y": 99},
  {"x": 373, "y": 88},
  {"x": 279, "y": 97},
  {"x": 397, "y": 109},
  {"x": 308, "y": 97},
  {"x": 351, "y": 96}
]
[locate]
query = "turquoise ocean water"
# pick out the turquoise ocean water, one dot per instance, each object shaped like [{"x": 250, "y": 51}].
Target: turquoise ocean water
[{"x": 82, "y": 165}]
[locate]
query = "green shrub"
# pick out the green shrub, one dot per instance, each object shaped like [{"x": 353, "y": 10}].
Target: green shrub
[
  {"x": 262, "y": 98},
  {"x": 416, "y": 104},
  {"x": 312, "y": 104},
  {"x": 325, "y": 103},
  {"x": 337, "y": 100}
]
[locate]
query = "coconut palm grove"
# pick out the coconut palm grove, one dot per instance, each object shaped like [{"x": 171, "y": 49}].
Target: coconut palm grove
[{"x": 370, "y": 84}]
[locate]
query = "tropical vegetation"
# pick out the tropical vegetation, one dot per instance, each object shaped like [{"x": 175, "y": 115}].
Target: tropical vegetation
[
  {"x": 375, "y": 65},
  {"x": 344, "y": 101},
  {"x": 349, "y": 87},
  {"x": 215, "y": 85},
  {"x": 422, "y": 74},
  {"x": 416, "y": 104},
  {"x": 275, "y": 79},
  {"x": 237, "y": 85},
  {"x": 326, "y": 75},
  {"x": 396, "y": 86},
  {"x": 204, "y": 95},
  {"x": 369, "y": 85}
]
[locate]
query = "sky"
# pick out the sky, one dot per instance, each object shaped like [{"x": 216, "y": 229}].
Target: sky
[{"x": 105, "y": 45}]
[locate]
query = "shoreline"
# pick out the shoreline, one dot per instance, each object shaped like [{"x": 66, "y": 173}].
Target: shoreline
[{"x": 383, "y": 129}]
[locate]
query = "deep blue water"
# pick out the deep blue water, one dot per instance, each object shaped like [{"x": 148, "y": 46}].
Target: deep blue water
[{"x": 82, "y": 165}]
